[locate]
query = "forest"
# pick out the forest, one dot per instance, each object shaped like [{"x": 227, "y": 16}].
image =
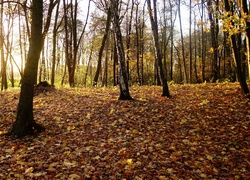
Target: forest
[
  {"x": 124, "y": 89},
  {"x": 197, "y": 40}
]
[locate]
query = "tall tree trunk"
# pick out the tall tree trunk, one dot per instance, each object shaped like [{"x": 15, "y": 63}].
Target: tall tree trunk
[
  {"x": 142, "y": 46},
  {"x": 154, "y": 26},
  {"x": 190, "y": 44},
  {"x": 214, "y": 28},
  {"x": 245, "y": 7},
  {"x": 115, "y": 63},
  {"x": 179, "y": 63},
  {"x": 123, "y": 80},
  {"x": 25, "y": 123},
  {"x": 202, "y": 44},
  {"x": 128, "y": 37},
  {"x": 195, "y": 49},
  {"x": 88, "y": 65},
  {"x": 4, "y": 84},
  {"x": 105, "y": 73},
  {"x": 54, "y": 48},
  {"x": 137, "y": 45},
  {"x": 104, "y": 39},
  {"x": 182, "y": 43},
  {"x": 237, "y": 52},
  {"x": 171, "y": 39},
  {"x": 71, "y": 37}
]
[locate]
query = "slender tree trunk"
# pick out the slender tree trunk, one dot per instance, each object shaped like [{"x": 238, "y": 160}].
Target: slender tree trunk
[
  {"x": 142, "y": 46},
  {"x": 182, "y": 42},
  {"x": 171, "y": 39},
  {"x": 123, "y": 80},
  {"x": 202, "y": 44},
  {"x": 128, "y": 37},
  {"x": 179, "y": 64},
  {"x": 137, "y": 46},
  {"x": 104, "y": 39},
  {"x": 154, "y": 26},
  {"x": 105, "y": 73},
  {"x": 195, "y": 49},
  {"x": 190, "y": 44},
  {"x": 4, "y": 84},
  {"x": 88, "y": 65},
  {"x": 214, "y": 27},
  {"x": 54, "y": 48},
  {"x": 115, "y": 63}
]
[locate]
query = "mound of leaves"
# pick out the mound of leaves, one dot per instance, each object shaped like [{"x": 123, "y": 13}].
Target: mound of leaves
[
  {"x": 201, "y": 132},
  {"x": 43, "y": 87}
]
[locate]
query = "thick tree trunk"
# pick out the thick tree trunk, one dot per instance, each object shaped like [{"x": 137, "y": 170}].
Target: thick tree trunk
[{"x": 25, "y": 123}]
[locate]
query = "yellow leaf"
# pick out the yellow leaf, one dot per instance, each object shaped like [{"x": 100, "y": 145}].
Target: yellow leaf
[
  {"x": 88, "y": 116},
  {"x": 68, "y": 163},
  {"x": 163, "y": 178},
  {"x": 74, "y": 176},
  {"x": 129, "y": 161},
  {"x": 209, "y": 157},
  {"x": 29, "y": 170},
  {"x": 112, "y": 110}
]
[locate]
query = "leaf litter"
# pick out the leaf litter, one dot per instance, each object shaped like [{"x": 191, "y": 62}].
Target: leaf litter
[{"x": 201, "y": 132}]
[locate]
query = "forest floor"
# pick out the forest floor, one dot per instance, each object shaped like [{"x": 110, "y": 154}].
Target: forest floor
[{"x": 201, "y": 132}]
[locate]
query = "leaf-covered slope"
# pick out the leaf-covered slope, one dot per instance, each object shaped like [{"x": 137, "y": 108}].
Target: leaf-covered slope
[{"x": 202, "y": 132}]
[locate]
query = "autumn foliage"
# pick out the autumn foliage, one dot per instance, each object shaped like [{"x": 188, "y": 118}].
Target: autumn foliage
[{"x": 201, "y": 132}]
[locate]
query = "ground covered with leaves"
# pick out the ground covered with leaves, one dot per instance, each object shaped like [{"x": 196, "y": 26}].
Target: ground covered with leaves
[{"x": 201, "y": 132}]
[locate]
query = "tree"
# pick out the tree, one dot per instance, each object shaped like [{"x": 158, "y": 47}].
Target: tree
[
  {"x": 154, "y": 26},
  {"x": 25, "y": 123},
  {"x": 190, "y": 43},
  {"x": 214, "y": 29},
  {"x": 182, "y": 43},
  {"x": 236, "y": 43},
  {"x": 123, "y": 79},
  {"x": 4, "y": 84},
  {"x": 245, "y": 7},
  {"x": 72, "y": 37},
  {"x": 104, "y": 39},
  {"x": 128, "y": 36},
  {"x": 54, "y": 48}
]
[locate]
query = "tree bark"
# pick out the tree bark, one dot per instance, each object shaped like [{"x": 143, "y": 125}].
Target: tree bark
[
  {"x": 54, "y": 49},
  {"x": 190, "y": 44},
  {"x": 182, "y": 42},
  {"x": 4, "y": 84},
  {"x": 245, "y": 8},
  {"x": 123, "y": 79},
  {"x": 214, "y": 27},
  {"x": 128, "y": 38},
  {"x": 25, "y": 123},
  {"x": 154, "y": 26},
  {"x": 237, "y": 56},
  {"x": 104, "y": 39}
]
